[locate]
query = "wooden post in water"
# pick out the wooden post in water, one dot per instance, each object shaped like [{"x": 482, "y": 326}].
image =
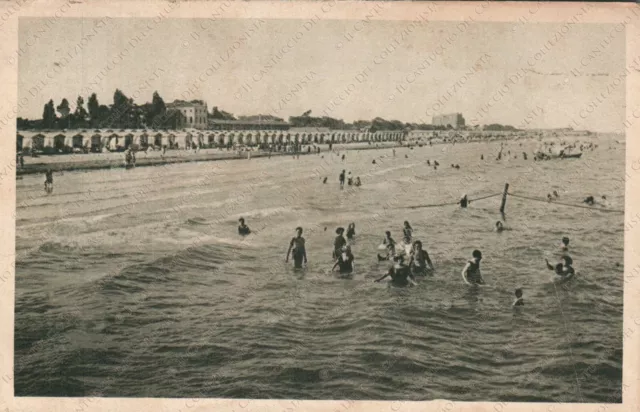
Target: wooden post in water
[{"x": 504, "y": 198}]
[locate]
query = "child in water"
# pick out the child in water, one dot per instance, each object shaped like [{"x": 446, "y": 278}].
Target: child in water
[
  {"x": 391, "y": 246},
  {"x": 420, "y": 261},
  {"x": 338, "y": 243},
  {"x": 519, "y": 300},
  {"x": 471, "y": 272},
  {"x": 400, "y": 273},
  {"x": 345, "y": 261},
  {"x": 299, "y": 251},
  {"x": 243, "y": 229},
  {"x": 407, "y": 230},
  {"x": 351, "y": 231}
]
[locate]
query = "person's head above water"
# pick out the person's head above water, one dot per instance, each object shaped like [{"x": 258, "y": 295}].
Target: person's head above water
[
  {"x": 477, "y": 254},
  {"x": 406, "y": 224},
  {"x": 417, "y": 244},
  {"x": 565, "y": 241},
  {"x": 519, "y": 293},
  {"x": 499, "y": 224},
  {"x": 387, "y": 233},
  {"x": 339, "y": 231},
  {"x": 241, "y": 220},
  {"x": 299, "y": 230}
]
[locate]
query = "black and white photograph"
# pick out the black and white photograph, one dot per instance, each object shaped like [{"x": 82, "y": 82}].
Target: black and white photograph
[{"x": 319, "y": 208}]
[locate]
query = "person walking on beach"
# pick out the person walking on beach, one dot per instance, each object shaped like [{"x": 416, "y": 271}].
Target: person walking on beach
[
  {"x": 48, "y": 182},
  {"x": 297, "y": 245},
  {"x": 341, "y": 178}
]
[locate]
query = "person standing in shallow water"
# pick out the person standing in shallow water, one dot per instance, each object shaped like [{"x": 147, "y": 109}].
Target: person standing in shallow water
[
  {"x": 341, "y": 178},
  {"x": 298, "y": 247},
  {"x": 338, "y": 243}
]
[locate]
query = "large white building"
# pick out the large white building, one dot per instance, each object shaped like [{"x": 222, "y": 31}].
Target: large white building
[
  {"x": 455, "y": 120},
  {"x": 195, "y": 113}
]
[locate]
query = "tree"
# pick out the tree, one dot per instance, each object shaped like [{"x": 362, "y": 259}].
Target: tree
[
  {"x": 154, "y": 113},
  {"x": 49, "y": 116},
  {"x": 94, "y": 109},
  {"x": 64, "y": 111}
]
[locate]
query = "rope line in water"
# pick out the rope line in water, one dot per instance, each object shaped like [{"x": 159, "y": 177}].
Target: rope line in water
[
  {"x": 565, "y": 204},
  {"x": 452, "y": 204}
]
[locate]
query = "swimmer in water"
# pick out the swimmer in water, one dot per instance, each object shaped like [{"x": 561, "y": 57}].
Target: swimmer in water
[
  {"x": 341, "y": 178},
  {"x": 471, "y": 272},
  {"x": 407, "y": 231},
  {"x": 499, "y": 226},
  {"x": 391, "y": 246},
  {"x": 419, "y": 261},
  {"x": 555, "y": 194},
  {"x": 299, "y": 250},
  {"x": 374, "y": 161},
  {"x": 519, "y": 300},
  {"x": 589, "y": 200},
  {"x": 243, "y": 229},
  {"x": 358, "y": 182},
  {"x": 338, "y": 243},
  {"x": 351, "y": 231},
  {"x": 400, "y": 274},
  {"x": 344, "y": 261},
  {"x": 564, "y": 246},
  {"x": 564, "y": 268},
  {"x": 343, "y": 156},
  {"x": 464, "y": 201}
]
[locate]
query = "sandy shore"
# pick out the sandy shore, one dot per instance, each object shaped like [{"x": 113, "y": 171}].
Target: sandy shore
[{"x": 91, "y": 161}]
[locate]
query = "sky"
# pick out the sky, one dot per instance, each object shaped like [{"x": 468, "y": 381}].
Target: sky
[{"x": 489, "y": 72}]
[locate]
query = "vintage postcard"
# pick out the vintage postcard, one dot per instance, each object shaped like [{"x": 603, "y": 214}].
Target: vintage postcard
[{"x": 323, "y": 206}]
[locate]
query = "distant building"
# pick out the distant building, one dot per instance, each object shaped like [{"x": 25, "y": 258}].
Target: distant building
[
  {"x": 456, "y": 120},
  {"x": 218, "y": 124},
  {"x": 195, "y": 113}
]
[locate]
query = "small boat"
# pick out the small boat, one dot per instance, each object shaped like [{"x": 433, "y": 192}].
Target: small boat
[{"x": 570, "y": 156}]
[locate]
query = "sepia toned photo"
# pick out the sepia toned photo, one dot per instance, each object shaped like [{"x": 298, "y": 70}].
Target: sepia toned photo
[{"x": 322, "y": 208}]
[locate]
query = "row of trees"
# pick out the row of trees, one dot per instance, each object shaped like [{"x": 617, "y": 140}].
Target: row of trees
[
  {"x": 125, "y": 114},
  {"x": 122, "y": 114}
]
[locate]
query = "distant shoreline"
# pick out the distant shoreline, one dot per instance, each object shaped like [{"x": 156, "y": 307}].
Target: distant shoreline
[{"x": 115, "y": 160}]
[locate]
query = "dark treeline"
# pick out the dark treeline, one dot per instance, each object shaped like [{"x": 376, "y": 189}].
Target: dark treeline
[{"x": 123, "y": 113}]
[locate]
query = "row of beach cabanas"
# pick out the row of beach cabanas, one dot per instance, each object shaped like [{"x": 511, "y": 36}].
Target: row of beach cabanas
[{"x": 60, "y": 141}]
